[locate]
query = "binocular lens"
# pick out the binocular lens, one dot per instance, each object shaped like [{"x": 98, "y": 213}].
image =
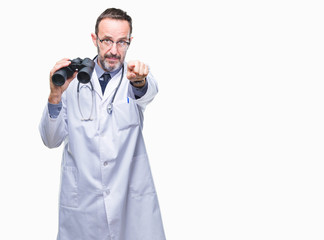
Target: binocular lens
[
  {"x": 84, "y": 75},
  {"x": 59, "y": 77}
]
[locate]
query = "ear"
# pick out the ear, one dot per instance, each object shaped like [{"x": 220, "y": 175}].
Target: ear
[
  {"x": 130, "y": 40},
  {"x": 94, "y": 39}
]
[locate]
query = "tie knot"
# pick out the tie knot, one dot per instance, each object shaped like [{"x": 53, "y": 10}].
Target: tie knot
[{"x": 106, "y": 77}]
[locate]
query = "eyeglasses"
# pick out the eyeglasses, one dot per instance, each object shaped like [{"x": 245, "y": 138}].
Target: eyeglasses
[{"x": 121, "y": 45}]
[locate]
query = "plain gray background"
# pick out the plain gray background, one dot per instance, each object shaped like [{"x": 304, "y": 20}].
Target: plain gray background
[{"x": 235, "y": 136}]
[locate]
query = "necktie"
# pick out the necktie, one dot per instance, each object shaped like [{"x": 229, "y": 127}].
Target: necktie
[{"x": 103, "y": 83}]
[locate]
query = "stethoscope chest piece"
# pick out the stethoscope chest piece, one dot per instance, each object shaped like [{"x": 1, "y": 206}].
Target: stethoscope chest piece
[
  {"x": 109, "y": 108},
  {"x": 110, "y": 105}
]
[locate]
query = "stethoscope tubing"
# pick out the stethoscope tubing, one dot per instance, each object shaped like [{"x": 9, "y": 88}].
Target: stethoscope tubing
[{"x": 110, "y": 105}]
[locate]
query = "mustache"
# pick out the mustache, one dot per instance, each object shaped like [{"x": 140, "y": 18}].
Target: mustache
[{"x": 112, "y": 56}]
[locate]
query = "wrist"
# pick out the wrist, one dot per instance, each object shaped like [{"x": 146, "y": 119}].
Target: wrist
[
  {"x": 139, "y": 84},
  {"x": 54, "y": 98}
]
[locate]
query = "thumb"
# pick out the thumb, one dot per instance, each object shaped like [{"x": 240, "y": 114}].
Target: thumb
[
  {"x": 130, "y": 67},
  {"x": 73, "y": 76},
  {"x": 68, "y": 81}
]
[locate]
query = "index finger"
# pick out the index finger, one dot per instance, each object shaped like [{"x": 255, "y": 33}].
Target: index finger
[
  {"x": 60, "y": 64},
  {"x": 130, "y": 66}
]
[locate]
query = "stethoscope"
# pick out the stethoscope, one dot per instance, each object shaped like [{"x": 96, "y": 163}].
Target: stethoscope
[{"x": 110, "y": 104}]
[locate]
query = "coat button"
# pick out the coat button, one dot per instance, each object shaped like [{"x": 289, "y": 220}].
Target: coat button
[
  {"x": 105, "y": 163},
  {"x": 106, "y": 192}
]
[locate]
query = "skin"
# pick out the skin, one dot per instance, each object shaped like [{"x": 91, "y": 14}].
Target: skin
[{"x": 109, "y": 59}]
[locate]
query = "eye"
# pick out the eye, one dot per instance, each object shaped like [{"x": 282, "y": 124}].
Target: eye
[
  {"x": 108, "y": 41},
  {"x": 121, "y": 43}
]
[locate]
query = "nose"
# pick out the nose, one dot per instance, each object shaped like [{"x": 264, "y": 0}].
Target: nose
[{"x": 113, "y": 49}]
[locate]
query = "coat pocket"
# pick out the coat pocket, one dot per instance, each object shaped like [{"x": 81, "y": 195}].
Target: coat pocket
[
  {"x": 125, "y": 114},
  {"x": 69, "y": 187}
]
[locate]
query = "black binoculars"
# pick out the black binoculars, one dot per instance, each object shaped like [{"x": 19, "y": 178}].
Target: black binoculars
[{"x": 83, "y": 66}]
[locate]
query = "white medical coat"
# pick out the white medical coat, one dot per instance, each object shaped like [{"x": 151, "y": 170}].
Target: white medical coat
[{"x": 107, "y": 191}]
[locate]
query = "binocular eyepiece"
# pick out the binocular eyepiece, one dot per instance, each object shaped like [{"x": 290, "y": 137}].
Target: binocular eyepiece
[{"x": 83, "y": 66}]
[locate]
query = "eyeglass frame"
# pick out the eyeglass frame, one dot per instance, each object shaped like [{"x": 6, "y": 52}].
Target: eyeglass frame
[{"x": 113, "y": 42}]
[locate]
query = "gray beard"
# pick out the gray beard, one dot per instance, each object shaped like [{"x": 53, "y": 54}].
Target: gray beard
[{"x": 105, "y": 66}]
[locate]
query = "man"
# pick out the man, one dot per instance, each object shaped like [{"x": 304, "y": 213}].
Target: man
[{"x": 107, "y": 190}]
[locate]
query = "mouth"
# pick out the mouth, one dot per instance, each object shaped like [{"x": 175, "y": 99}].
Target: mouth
[{"x": 112, "y": 58}]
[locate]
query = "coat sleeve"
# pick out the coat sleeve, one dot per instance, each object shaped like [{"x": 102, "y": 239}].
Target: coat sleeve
[
  {"x": 151, "y": 92},
  {"x": 53, "y": 131}
]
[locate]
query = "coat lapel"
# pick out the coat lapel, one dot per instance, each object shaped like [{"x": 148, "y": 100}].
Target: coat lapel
[
  {"x": 96, "y": 84},
  {"x": 111, "y": 87}
]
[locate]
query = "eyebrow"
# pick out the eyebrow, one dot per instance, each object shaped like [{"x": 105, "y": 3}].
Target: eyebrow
[{"x": 110, "y": 37}]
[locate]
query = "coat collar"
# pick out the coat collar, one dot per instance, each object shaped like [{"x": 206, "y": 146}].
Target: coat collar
[{"x": 111, "y": 87}]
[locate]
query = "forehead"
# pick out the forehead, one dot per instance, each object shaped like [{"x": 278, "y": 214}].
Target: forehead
[{"x": 114, "y": 28}]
